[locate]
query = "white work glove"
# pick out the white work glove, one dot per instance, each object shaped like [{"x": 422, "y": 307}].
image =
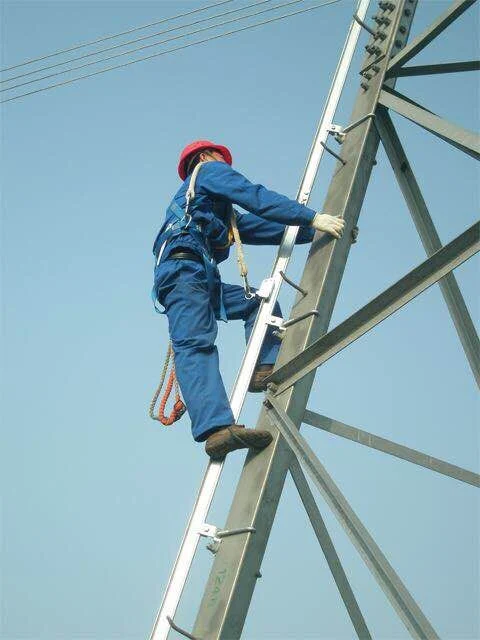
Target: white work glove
[{"x": 329, "y": 224}]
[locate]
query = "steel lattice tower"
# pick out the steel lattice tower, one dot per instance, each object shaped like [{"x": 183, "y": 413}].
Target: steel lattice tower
[{"x": 308, "y": 342}]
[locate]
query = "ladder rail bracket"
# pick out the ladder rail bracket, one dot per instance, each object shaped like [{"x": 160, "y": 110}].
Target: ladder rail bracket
[
  {"x": 264, "y": 291},
  {"x": 372, "y": 64},
  {"x": 293, "y": 321},
  {"x": 181, "y": 631},
  {"x": 340, "y": 132},
  {"x": 282, "y": 325},
  {"x": 364, "y": 25},
  {"x": 332, "y": 153},
  {"x": 293, "y": 284},
  {"x": 211, "y": 531}
]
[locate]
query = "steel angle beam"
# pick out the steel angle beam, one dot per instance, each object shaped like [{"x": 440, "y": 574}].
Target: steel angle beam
[
  {"x": 389, "y": 301},
  {"x": 391, "y": 584},
  {"x": 329, "y": 551},
  {"x": 466, "y": 141},
  {"x": 232, "y": 579},
  {"x": 429, "y": 237},
  {"x": 433, "y": 69},
  {"x": 421, "y": 41},
  {"x": 392, "y": 448}
]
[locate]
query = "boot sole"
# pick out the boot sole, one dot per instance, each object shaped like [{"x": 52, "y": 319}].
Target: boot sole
[{"x": 253, "y": 440}]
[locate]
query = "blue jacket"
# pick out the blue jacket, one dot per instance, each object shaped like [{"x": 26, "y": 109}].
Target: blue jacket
[{"x": 218, "y": 186}]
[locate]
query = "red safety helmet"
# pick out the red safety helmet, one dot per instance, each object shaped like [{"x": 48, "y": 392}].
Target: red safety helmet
[{"x": 195, "y": 147}]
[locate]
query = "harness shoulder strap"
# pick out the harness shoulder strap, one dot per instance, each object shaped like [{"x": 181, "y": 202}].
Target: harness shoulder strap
[{"x": 190, "y": 195}]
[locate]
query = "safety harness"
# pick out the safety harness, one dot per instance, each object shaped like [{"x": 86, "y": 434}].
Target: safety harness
[{"x": 184, "y": 224}]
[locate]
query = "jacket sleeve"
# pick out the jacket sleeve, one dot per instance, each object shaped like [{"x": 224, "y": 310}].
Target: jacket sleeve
[
  {"x": 256, "y": 230},
  {"x": 219, "y": 180}
]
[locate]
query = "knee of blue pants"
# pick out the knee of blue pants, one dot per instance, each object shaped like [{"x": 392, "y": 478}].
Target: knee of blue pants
[
  {"x": 193, "y": 330},
  {"x": 204, "y": 341}
]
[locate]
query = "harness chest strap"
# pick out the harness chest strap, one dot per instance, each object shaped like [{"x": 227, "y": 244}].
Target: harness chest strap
[{"x": 190, "y": 195}]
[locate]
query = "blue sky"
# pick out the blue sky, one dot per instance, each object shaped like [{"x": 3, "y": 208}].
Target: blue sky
[{"x": 95, "y": 495}]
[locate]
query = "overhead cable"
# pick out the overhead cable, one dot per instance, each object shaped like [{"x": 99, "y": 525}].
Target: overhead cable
[
  {"x": 124, "y": 44},
  {"x": 149, "y": 46},
  {"x": 115, "y": 35},
  {"x": 162, "y": 53}
]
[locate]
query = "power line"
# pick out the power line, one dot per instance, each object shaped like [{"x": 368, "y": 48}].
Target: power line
[
  {"x": 162, "y": 53},
  {"x": 124, "y": 44},
  {"x": 115, "y": 35},
  {"x": 149, "y": 46}
]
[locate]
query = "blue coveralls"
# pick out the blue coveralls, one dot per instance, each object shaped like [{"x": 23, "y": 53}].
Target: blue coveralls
[{"x": 192, "y": 293}]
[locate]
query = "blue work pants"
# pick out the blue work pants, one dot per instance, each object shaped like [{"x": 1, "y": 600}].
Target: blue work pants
[{"x": 191, "y": 307}]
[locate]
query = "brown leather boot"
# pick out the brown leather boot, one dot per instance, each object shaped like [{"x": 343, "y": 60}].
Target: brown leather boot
[
  {"x": 257, "y": 383},
  {"x": 233, "y": 437}
]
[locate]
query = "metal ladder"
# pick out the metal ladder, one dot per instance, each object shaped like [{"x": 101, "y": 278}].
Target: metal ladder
[{"x": 197, "y": 526}]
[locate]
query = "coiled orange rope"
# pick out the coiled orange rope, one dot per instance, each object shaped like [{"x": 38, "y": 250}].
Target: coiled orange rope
[{"x": 179, "y": 407}]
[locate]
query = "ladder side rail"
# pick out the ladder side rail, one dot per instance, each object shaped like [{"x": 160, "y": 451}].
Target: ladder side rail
[{"x": 183, "y": 562}]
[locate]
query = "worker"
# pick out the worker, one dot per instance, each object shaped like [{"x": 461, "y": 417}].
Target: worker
[{"x": 195, "y": 237}]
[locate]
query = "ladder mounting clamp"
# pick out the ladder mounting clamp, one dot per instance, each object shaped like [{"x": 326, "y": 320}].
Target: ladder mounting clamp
[
  {"x": 179, "y": 630},
  {"x": 211, "y": 531},
  {"x": 339, "y": 132},
  {"x": 292, "y": 284},
  {"x": 264, "y": 291}
]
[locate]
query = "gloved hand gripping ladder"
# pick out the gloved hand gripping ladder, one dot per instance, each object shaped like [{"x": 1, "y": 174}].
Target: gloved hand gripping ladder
[{"x": 197, "y": 525}]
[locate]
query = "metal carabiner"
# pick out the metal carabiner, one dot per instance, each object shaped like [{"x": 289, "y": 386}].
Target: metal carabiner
[{"x": 249, "y": 294}]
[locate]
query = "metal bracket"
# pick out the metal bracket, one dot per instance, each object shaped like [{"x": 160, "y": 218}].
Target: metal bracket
[
  {"x": 292, "y": 284},
  {"x": 211, "y": 531},
  {"x": 293, "y": 321},
  {"x": 340, "y": 132},
  {"x": 337, "y": 131},
  {"x": 179, "y": 630},
  {"x": 274, "y": 321},
  {"x": 372, "y": 65},
  {"x": 283, "y": 325},
  {"x": 363, "y": 24},
  {"x": 264, "y": 291},
  {"x": 332, "y": 153}
]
